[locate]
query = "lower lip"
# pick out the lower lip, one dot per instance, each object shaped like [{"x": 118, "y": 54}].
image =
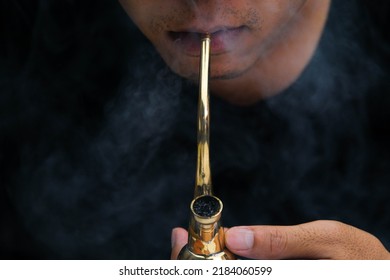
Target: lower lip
[{"x": 221, "y": 41}]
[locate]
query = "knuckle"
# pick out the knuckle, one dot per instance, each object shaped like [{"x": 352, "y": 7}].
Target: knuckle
[
  {"x": 329, "y": 231},
  {"x": 336, "y": 239},
  {"x": 320, "y": 239}
]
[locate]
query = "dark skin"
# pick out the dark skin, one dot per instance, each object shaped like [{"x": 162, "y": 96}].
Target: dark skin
[{"x": 276, "y": 41}]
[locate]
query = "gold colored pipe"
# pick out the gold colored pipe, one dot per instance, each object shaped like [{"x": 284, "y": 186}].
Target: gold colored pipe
[
  {"x": 203, "y": 173},
  {"x": 206, "y": 239}
]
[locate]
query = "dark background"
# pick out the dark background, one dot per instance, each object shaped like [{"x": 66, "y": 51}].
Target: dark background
[{"x": 78, "y": 172}]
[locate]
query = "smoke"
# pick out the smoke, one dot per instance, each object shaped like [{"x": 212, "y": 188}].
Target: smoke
[{"x": 98, "y": 138}]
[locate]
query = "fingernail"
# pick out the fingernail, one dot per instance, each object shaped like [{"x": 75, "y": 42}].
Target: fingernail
[
  {"x": 239, "y": 239},
  {"x": 173, "y": 238}
]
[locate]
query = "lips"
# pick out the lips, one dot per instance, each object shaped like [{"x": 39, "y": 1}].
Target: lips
[{"x": 222, "y": 40}]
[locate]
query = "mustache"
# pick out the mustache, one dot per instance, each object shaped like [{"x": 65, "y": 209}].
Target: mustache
[{"x": 182, "y": 17}]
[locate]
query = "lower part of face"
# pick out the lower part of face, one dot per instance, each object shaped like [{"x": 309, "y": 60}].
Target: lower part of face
[{"x": 242, "y": 31}]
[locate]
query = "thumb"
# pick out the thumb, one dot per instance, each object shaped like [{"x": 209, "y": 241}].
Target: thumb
[
  {"x": 315, "y": 240},
  {"x": 260, "y": 242}
]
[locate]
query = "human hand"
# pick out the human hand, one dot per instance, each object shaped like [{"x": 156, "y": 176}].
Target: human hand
[{"x": 314, "y": 240}]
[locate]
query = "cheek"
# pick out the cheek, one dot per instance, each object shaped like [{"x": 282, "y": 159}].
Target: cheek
[{"x": 276, "y": 18}]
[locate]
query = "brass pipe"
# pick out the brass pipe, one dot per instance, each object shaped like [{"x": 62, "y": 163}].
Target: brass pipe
[
  {"x": 203, "y": 173},
  {"x": 205, "y": 234}
]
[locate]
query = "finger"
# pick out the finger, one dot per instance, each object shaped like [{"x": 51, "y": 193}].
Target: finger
[
  {"x": 315, "y": 240},
  {"x": 179, "y": 238},
  {"x": 274, "y": 242}
]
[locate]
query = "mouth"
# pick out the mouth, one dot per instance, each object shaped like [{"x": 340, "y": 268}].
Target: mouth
[{"x": 222, "y": 40}]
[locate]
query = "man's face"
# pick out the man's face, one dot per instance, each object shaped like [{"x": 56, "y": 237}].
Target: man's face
[{"x": 242, "y": 31}]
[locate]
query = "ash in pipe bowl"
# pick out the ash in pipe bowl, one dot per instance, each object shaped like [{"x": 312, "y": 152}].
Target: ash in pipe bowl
[
  {"x": 206, "y": 206},
  {"x": 206, "y": 209}
]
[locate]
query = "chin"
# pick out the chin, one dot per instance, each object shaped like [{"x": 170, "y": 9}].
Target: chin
[
  {"x": 240, "y": 88},
  {"x": 228, "y": 68},
  {"x": 185, "y": 68}
]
